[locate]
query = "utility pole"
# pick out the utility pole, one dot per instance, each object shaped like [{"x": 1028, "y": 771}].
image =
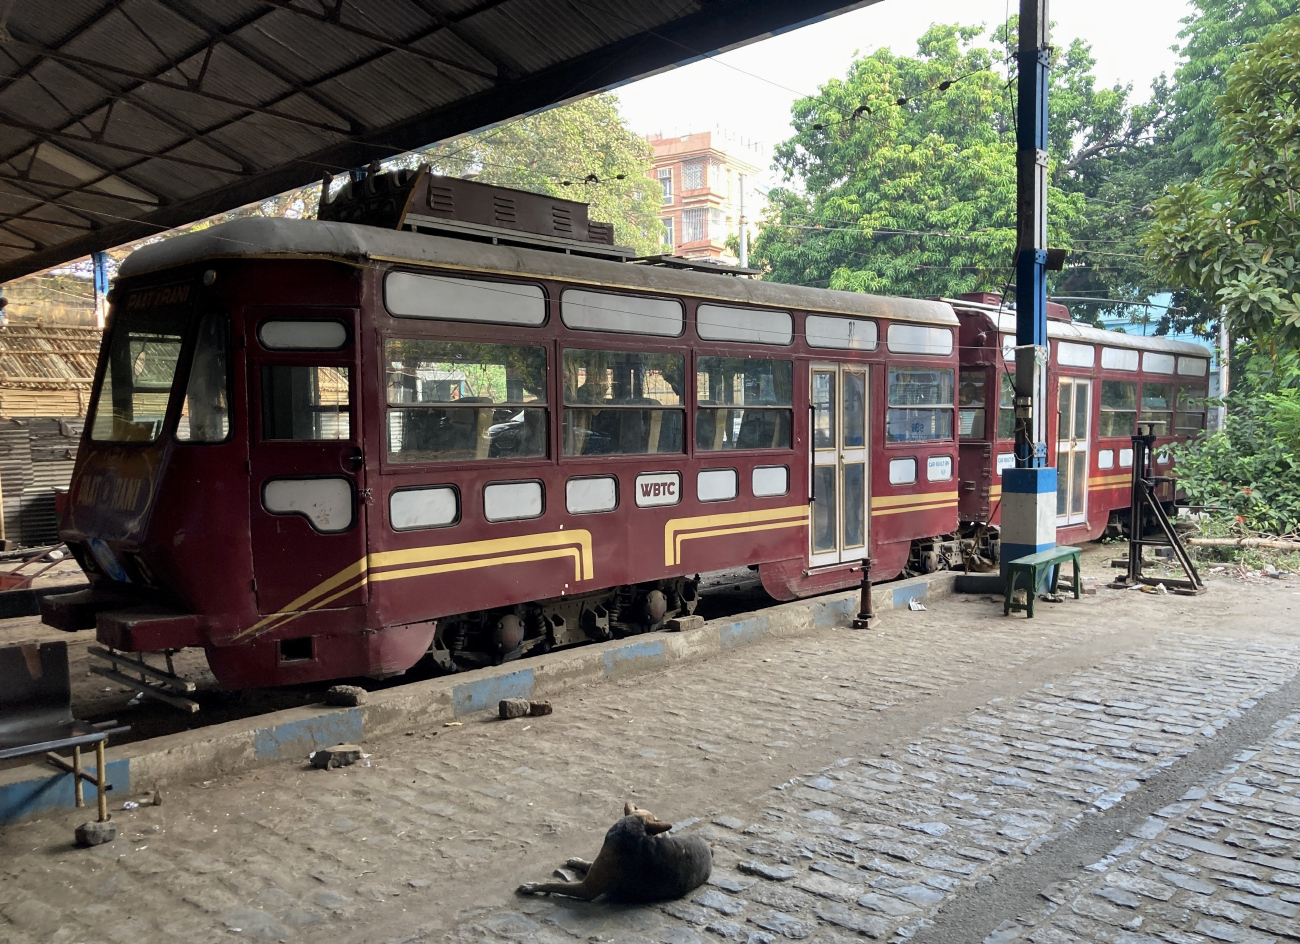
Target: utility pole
[
  {"x": 744, "y": 234},
  {"x": 1029, "y": 490},
  {"x": 100, "y": 262}
]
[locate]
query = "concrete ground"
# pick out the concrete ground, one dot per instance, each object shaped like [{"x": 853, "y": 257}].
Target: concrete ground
[{"x": 1123, "y": 768}]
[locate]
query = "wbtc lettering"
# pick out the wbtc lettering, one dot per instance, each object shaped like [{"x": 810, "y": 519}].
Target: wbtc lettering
[{"x": 658, "y": 489}]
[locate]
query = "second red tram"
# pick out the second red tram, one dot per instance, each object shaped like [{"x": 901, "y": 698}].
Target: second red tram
[{"x": 323, "y": 449}]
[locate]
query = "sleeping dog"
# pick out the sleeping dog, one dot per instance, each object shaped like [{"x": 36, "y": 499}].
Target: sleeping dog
[{"x": 638, "y": 862}]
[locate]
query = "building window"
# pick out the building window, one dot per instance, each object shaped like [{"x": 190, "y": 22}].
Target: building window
[
  {"x": 666, "y": 181},
  {"x": 716, "y": 179},
  {"x": 668, "y": 233},
  {"x": 717, "y": 224},
  {"x": 692, "y": 175},
  {"x": 692, "y": 225}
]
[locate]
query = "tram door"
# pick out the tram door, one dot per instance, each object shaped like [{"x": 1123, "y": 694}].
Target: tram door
[
  {"x": 307, "y": 470},
  {"x": 838, "y": 512},
  {"x": 1072, "y": 414}
]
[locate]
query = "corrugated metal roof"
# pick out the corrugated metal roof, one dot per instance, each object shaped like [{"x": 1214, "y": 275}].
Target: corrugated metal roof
[{"x": 123, "y": 118}]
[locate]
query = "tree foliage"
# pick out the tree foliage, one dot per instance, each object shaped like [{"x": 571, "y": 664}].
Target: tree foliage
[
  {"x": 902, "y": 176},
  {"x": 1233, "y": 235},
  {"x": 1251, "y": 468},
  {"x": 581, "y": 151},
  {"x": 1214, "y": 37}
]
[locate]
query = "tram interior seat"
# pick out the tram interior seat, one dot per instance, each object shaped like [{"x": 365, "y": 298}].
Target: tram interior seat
[{"x": 760, "y": 429}]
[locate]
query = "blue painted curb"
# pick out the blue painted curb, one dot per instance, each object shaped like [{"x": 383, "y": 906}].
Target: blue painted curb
[{"x": 225, "y": 749}]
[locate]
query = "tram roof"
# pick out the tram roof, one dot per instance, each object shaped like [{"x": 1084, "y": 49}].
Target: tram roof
[
  {"x": 1087, "y": 334},
  {"x": 273, "y": 238},
  {"x": 123, "y": 118}
]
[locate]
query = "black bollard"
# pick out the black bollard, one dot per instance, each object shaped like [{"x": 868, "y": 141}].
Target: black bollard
[{"x": 865, "y": 613}]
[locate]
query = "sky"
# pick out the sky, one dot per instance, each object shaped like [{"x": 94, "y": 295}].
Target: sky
[{"x": 748, "y": 91}]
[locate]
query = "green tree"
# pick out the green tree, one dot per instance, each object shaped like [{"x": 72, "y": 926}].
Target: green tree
[
  {"x": 1232, "y": 236},
  {"x": 581, "y": 151},
  {"x": 903, "y": 177},
  {"x": 1213, "y": 39}
]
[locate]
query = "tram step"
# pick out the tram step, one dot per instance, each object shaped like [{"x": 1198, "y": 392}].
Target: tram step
[{"x": 148, "y": 629}]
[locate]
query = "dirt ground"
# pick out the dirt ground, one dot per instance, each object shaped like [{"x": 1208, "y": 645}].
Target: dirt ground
[{"x": 880, "y": 766}]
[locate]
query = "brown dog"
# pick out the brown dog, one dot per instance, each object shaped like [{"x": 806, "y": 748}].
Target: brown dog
[{"x": 636, "y": 863}]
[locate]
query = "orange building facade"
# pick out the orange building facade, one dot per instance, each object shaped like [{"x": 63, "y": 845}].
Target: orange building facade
[{"x": 701, "y": 176}]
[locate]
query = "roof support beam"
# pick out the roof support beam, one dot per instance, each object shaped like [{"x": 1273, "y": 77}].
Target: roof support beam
[
  {"x": 185, "y": 87},
  {"x": 229, "y": 37},
  {"x": 335, "y": 22}
]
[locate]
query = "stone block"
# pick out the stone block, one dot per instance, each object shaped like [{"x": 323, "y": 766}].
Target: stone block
[
  {"x": 681, "y": 624},
  {"x": 346, "y": 696},
  {"x": 94, "y": 833}
]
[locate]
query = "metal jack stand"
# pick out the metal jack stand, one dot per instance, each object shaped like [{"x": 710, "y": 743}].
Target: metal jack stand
[
  {"x": 1142, "y": 501},
  {"x": 865, "y": 613}
]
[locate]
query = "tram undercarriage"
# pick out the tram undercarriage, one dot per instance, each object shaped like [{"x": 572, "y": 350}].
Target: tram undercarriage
[{"x": 491, "y": 637}]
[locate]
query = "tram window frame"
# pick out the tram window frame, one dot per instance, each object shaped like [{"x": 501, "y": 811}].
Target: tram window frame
[
  {"x": 1006, "y": 405},
  {"x": 211, "y": 393},
  {"x": 576, "y": 310},
  {"x": 780, "y": 408},
  {"x": 457, "y": 420},
  {"x": 1108, "y": 411},
  {"x": 278, "y": 406},
  {"x": 529, "y": 293},
  {"x": 896, "y": 410},
  {"x": 974, "y": 379},
  {"x": 621, "y": 413},
  {"x": 1148, "y": 415},
  {"x": 1199, "y": 394}
]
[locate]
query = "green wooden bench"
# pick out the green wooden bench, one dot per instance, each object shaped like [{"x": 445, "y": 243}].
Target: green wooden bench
[{"x": 1031, "y": 569}]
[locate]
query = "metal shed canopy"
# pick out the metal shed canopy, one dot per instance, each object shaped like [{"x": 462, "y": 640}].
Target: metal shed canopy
[{"x": 123, "y": 118}]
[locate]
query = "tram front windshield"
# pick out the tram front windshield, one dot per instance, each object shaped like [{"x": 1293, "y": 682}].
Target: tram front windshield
[{"x": 143, "y": 353}]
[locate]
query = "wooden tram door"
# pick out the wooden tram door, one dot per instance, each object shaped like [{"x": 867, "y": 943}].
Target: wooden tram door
[
  {"x": 1073, "y": 413},
  {"x": 840, "y": 475},
  {"x": 306, "y": 464}
]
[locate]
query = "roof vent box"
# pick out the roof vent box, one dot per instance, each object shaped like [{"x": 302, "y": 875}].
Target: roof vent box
[{"x": 421, "y": 200}]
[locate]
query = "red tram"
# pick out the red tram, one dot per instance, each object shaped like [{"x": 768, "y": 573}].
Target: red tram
[
  {"x": 1103, "y": 385},
  {"x": 324, "y": 449}
]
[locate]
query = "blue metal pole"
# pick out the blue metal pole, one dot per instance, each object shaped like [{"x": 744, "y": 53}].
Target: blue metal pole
[
  {"x": 1031, "y": 226},
  {"x": 1029, "y": 490},
  {"x": 100, "y": 262}
]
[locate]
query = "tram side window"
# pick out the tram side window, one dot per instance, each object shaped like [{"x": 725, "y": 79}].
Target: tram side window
[
  {"x": 1157, "y": 408},
  {"x": 205, "y": 414},
  {"x": 142, "y": 356},
  {"x": 1118, "y": 408},
  {"x": 920, "y": 404},
  {"x": 971, "y": 404},
  {"x": 302, "y": 402},
  {"x": 623, "y": 403},
  {"x": 1006, "y": 405},
  {"x": 1190, "y": 418},
  {"x": 743, "y": 403},
  {"x": 457, "y": 400}
]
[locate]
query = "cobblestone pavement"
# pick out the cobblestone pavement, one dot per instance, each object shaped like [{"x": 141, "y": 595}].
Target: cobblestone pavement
[{"x": 854, "y": 784}]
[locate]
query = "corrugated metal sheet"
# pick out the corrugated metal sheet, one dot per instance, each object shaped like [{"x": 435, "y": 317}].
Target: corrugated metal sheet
[
  {"x": 130, "y": 116},
  {"x": 36, "y": 456}
]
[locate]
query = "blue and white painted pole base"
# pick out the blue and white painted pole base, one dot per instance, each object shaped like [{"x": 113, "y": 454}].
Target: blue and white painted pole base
[{"x": 1028, "y": 513}]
